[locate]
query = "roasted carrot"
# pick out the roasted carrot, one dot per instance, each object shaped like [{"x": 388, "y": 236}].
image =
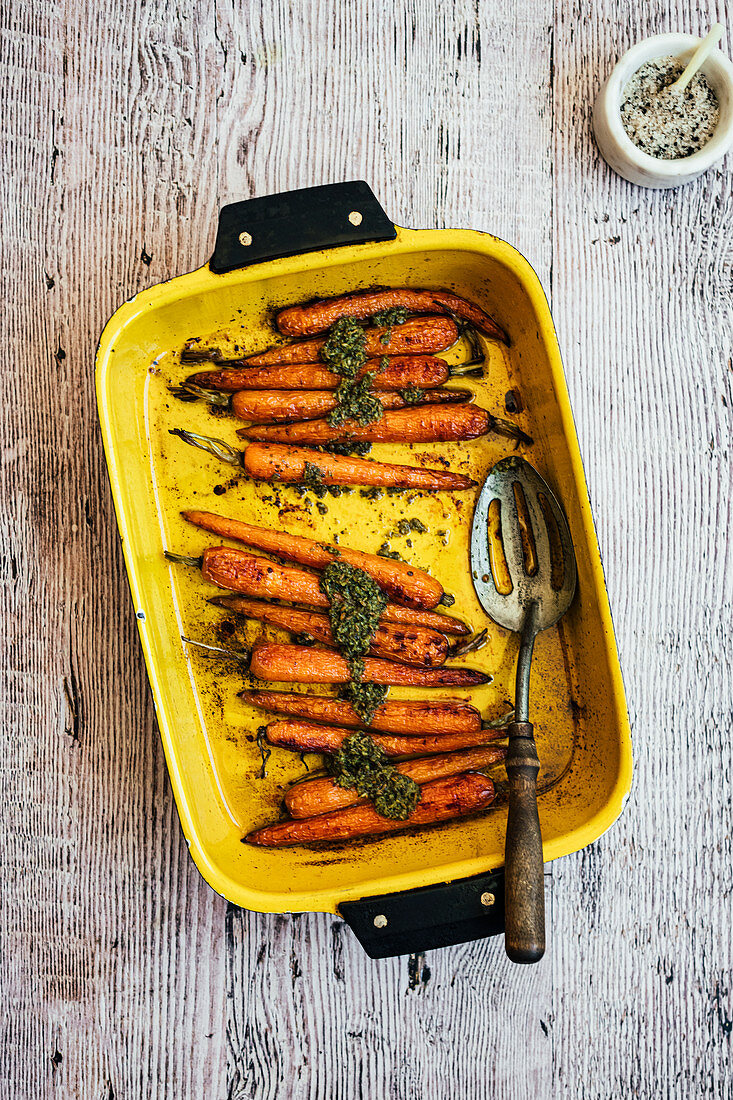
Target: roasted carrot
[
  {"x": 429, "y": 424},
  {"x": 298, "y": 465},
  {"x": 423, "y": 371},
  {"x": 410, "y": 616},
  {"x": 310, "y": 737},
  {"x": 406, "y": 583},
  {"x": 273, "y": 406},
  {"x": 393, "y": 613},
  {"x": 309, "y": 665},
  {"x": 277, "y": 462},
  {"x": 260, "y": 577},
  {"x": 418, "y": 336},
  {"x": 318, "y": 316},
  {"x": 440, "y": 716},
  {"x": 415, "y": 645},
  {"x": 254, "y": 576},
  {"x": 323, "y": 795},
  {"x": 441, "y": 800}
]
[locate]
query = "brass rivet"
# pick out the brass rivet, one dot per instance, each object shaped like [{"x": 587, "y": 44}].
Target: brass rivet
[
  {"x": 245, "y": 239},
  {"x": 355, "y": 217},
  {"x": 380, "y": 921},
  {"x": 487, "y": 899}
]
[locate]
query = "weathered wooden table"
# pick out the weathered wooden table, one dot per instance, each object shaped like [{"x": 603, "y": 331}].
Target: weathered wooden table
[{"x": 125, "y": 126}]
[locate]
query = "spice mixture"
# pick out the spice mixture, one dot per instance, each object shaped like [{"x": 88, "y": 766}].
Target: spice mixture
[{"x": 665, "y": 124}]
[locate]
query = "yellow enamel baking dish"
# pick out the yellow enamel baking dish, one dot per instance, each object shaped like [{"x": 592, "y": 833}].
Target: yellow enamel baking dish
[{"x": 393, "y": 891}]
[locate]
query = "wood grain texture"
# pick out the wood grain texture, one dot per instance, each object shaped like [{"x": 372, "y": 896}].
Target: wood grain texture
[
  {"x": 104, "y": 916},
  {"x": 642, "y": 917},
  {"x": 122, "y": 974}
]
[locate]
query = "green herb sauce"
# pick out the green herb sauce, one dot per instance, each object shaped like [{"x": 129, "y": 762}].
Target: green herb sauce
[
  {"x": 344, "y": 349},
  {"x": 365, "y": 698},
  {"x": 389, "y": 318},
  {"x": 356, "y": 602},
  {"x": 412, "y": 395},
  {"x": 396, "y": 315},
  {"x": 348, "y": 447},
  {"x": 361, "y": 765},
  {"x": 355, "y": 401},
  {"x": 313, "y": 480},
  {"x": 385, "y": 551},
  {"x": 344, "y": 353}
]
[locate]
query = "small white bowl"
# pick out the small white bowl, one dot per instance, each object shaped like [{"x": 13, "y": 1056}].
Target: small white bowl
[{"x": 617, "y": 147}]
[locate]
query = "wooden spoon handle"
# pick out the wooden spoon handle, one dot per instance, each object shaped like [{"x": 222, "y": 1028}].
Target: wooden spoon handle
[{"x": 523, "y": 865}]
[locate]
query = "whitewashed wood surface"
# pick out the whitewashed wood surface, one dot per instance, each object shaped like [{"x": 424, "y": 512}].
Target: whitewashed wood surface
[{"x": 125, "y": 125}]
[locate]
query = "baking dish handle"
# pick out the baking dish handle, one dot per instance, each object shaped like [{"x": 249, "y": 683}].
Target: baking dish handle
[
  {"x": 293, "y": 222},
  {"x": 430, "y": 917}
]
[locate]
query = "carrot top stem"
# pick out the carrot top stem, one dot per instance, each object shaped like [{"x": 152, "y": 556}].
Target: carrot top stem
[
  {"x": 241, "y": 656},
  {"x": 470, "y": 645},
  {"x": 184, "y": 559},
  {"x": 196, "y": 353},
  {"x": 498, "y": 723},
  {"x": 505, "y": 427},
  {"x": 212, "y": 397},
  {"x": 471, "y": 366},
  {"x": 467, "y": 330},
  {"x": 216, "y": 447}
]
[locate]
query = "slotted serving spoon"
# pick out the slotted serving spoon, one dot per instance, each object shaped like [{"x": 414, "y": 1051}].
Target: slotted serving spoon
[{"x": 524, "y": 573}]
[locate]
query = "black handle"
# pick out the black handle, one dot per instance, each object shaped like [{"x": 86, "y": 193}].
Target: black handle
[
  {"x": 262, "y": 229},
  {"x": 430, "y": 917},
  {"x": 523, "y": 866}
]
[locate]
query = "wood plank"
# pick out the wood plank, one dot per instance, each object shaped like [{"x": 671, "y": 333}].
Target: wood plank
[
  {"x": 642, "y": 296},
  {"x": 105, "y": 918},
  {"x": 343, "y": 1025}
]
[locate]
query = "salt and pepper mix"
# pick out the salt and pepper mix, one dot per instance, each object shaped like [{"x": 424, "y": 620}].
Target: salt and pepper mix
[{"x": 662, "y": 121}]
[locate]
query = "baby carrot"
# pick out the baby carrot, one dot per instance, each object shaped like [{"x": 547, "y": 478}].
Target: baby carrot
[
  {"x": 422, "y": 371},
  {"x": 274, "y": 406},
  {"x": 252, "y": 576},
  {"x": 415, "y": 645},
  {"x": 403, "y": 582},
  {"x": 319, "y": 316},
  {"x": 300, "y": 466},
  {"x": 418, "y": 336},
  {"x": 441, "y": 800},
  {"x": 415, "y": 716},
  {"x": 277, "y": 462},
  {"x": 323, "y": 795},
  {"x": 309, "y": 737},
  {"x": 309, "y": 665},
  {"x": 427, "y": 424}
]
